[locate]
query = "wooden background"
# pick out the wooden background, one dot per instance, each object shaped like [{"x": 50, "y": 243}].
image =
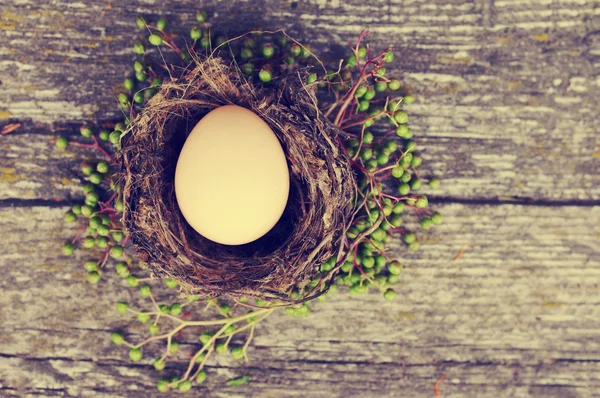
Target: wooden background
[{"x": 507, "y": 109}]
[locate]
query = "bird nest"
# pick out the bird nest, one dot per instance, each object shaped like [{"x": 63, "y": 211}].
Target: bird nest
[{"x": 319, "y": 208}]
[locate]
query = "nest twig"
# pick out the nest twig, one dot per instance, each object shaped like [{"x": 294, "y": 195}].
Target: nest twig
[{"x": 320, "y": 204}]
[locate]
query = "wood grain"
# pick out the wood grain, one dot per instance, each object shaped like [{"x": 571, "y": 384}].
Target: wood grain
[
  {"x": 517, "y": 315},
  {"x": 503, "y": 298},
  {"x": 506, "y": 93}
]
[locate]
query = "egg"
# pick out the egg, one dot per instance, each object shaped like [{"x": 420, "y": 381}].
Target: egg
[{"x": 231, "y": 180}]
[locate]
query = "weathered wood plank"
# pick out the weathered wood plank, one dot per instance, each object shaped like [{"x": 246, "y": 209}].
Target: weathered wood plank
[
  {"x": 516, "y": 315},
  {"x": 506, "y": 92}
]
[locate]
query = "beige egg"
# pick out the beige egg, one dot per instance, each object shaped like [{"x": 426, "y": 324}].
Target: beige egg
[{"x": 232, "y": 181}]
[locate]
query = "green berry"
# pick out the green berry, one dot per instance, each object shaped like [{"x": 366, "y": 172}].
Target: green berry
[
  {"x": 403, "y": 189},
  {"x": 201, "y": 377},
  {"x": 145, "y": 290},
  {"x": 229, "y": 330},
  {"x": 394, "y": 84},
  {"x": 104, "y": 135},
  {"x": 93, "y": 277},
  {"x": 103, "y": 230},
  {"x": 295, "y": 50},
  {"x": 132, "y": 281},
  {"x": 363, "y": 105},
  {"x": 237, "y": 353},
  {"x": 205, "y": 337},
  {"x": 195, "y": 33},
  {"x": 185, "y": 386},
  {"x": 358, "y": 289},
  {"x": 62, "y": 142},
  {"x": 311, "y": 78},
  {"x": 163, "y": 308},
  {"x": 128, "y": 84},
  {"x": 201, "y": 16},
  {"x": 402, "y": 131},
  {"x": 70, "y": 217},
  {"x": 140, "y": 22},
  {"x": 155, "y": 39},
  {"x": 89, "y": 242},
  {"x": 410, "y": 238},
  {"x": 221, "y": 348},
  {"x": 90, "y": 266},
  {"x": 123, "y": 99},
  {"x": 161, "y": 24},
  {"x": 174, "y": 349},
  {"x": 396, "y": 220},
  {"x": 409, "y": 99},
  {"x": 87, "y": 169},
  {"x": 175, "y": 309},
  {"x": 76, "y": 209},
  {"x": 122, "y": 307},
  {"x": 434, "y": 183},
  {"x": 426, "y": 224},
  {"x": 368, "y": 138},
  {"x": 138, "y": 98},
  {"x": 143, "y": 317},
  {"x": 170, "y": 283},
  {"x": 95, "y": 178},
  {"x": 351, "y": 61},
  {"x": 163, "y": 385},
  {"x": 116, "y": 251},
  {"x": 87, "y": 210},
  {"x": 68, "y": 249},
  {"x": 416, "y": 161},
  {"x": 122, "y": 269},
  {"x": 248, "y": 68},
  {"x": 388, "y": 56},
  {"x": 95, "y": 222},
  {"x": 382, "y": 159},
  {"x": 437, "y": 218},
  {"x": 369, "y": 262},
  {"x": 360, "y": 91},
  {"x": 268, "y": 51},
  {"x": 86, "y": 131},
  {"x": 135, "y": 354},
  {"x": 159, "y": 364},
  {"x": 362, "y": 52},
  {"x": 407, "y": 176},
  {"x": 397, "y": 171},
  {"x": 369, "y": 94},
  {"x": 246, "y": 54},
  {"x": 117, "y": 338},
  {"x": 394, "y": 267},
  {"x": 422, "y": 202},
  {"x": 410, "y": 146},
  {"x": 92, "y": 197},
  {"x": 119, "y": 205},
  {"x": 306, "y": 51},
  {"x": 265, "y": 75},
  {"x": 102, "y": 242},
  {"x": 401, "y": 117},
  {"x": 389, "y": 295},
  {"x": 380, "y": 86},
  {"x": 416, "y": 184},
  {"x": 117, "y": 236},
  {"x": 380, "y": 71},
  {"x": 153, "y": 329},
  {"x": 371, "y": 165}
]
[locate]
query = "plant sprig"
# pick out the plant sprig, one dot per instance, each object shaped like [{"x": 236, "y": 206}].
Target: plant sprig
[{"x": 358, "y": 96}]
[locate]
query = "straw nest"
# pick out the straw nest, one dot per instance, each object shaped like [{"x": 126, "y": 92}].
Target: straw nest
[{"x": 318, "y": 212}]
